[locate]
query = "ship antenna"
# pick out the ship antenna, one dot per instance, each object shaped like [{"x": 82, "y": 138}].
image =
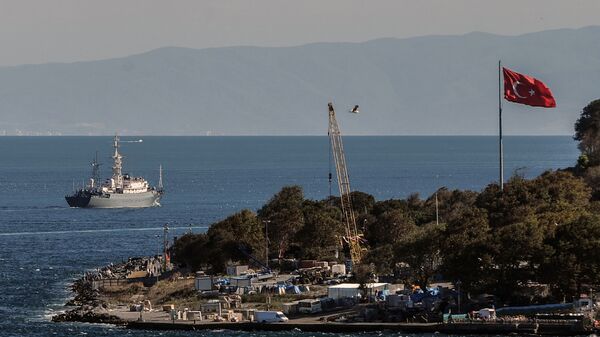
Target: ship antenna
[
  {"x": 95, "y": 172},
  {"x": 160, "y": 180}
]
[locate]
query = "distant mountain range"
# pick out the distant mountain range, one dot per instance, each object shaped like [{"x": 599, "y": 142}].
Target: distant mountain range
[{"x": 424, "y": 85}]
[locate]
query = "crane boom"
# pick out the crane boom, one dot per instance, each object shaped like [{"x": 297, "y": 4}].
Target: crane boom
[{"x": 337, "y": 148}]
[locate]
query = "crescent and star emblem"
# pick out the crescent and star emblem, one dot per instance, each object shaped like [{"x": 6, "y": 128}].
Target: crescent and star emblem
[
  {"x": 515, "y": 89},
  {"x": 516, "y": 84}
]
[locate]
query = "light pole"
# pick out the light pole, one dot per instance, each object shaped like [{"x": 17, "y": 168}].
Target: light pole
[{"x": 155, "y": 269}]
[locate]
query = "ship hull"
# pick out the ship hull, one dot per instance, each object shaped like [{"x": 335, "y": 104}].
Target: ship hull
[
  {"x": 116, "y": 200},
  {"x": 80, "y": 199}
]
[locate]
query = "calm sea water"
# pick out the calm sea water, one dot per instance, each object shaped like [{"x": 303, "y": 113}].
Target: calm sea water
[{"x": 44, "y": 244}]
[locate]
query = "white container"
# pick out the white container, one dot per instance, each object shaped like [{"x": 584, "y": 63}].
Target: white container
[
  {"x": 338, "y": 269},
  {"x": 269, "y": 317}
]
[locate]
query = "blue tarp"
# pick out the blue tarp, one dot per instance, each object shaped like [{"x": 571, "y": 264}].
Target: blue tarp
[
  {"x": 419, "y": 295},
  {"x": 292, "y": 290}
]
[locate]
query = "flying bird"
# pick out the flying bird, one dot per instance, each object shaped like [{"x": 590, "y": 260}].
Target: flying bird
[{"x": 354, "y": 110}]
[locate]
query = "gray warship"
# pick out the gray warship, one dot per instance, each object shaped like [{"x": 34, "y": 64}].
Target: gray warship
[{"x": 119, "y": 191}]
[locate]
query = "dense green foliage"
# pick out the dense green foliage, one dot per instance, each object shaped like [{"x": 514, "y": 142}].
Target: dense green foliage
[
  {"x": 222, "y": 242},
  {"x": 540, "y": 231},
  {"x": 587, "y": 132},
  {"x": 537, "y": 231}
]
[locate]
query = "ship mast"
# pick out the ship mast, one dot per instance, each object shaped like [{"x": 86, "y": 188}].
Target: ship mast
[
  {"x": 117, "y": 166},
  {"x": 160, "y": 180},
  {"x": 95, "y": 178}
]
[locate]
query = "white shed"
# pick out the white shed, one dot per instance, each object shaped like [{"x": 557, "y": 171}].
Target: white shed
[
  {"x": 352, "y": 289},
  {"x": 236, "y": 270}
]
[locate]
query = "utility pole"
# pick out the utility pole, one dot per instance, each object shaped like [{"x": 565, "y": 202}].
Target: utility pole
[{"x": 267, "y": 242}]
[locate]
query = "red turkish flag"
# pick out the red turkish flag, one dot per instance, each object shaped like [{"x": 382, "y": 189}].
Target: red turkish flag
[{"x": 527, "y": 90}]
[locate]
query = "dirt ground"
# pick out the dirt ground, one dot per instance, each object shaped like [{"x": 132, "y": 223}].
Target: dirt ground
[{"x": 181, "y": 293}]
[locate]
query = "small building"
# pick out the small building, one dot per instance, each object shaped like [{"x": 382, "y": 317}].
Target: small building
[
  {"x": 237, "y": 270},
  {"x": 240, "y": 281},
  {"x": 247, "y": 314},
  {"x": 352, "y": 290},
  {"x": 399, "y": 301},
  {"x": 338, "y": 269},
  {"x": 204, "y": 283},
  {"x": 212, "y": 306}
]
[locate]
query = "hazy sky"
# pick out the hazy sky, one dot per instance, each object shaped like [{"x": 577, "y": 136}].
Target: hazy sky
[{"x": 39, "y": 31}]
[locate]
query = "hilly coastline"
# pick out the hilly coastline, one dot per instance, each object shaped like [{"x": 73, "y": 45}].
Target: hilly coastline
[{"x": 424, "y": 85}]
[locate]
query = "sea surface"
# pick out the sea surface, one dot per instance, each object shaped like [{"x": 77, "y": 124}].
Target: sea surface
[{"x": 44, "y": 244}]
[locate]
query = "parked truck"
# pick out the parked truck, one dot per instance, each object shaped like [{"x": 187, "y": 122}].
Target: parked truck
[{"x": 269, "y": 316}]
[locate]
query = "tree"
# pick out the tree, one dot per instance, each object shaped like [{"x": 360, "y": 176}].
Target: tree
[
  {"x": 362, "y": 203},
  {"x": 240, "y": 231},
  {"x": 592, "y": 179},
  {"x": 466, "y": 255},
  {"x": 422, "y": 252},
  {"x": 190, "y": 250},
  {"x": 382, "y": 259},
  {"x": 523, "y": 220},
  {"x": 517, "y": 250},
  {"x": 389, "y": 227},
  {"x": 587, "y": 132},
  {"x": 447, "y": 202},
  {"x": 285, "y": 217},
  {"x": 506, "y": 207},
  {"x": 322, "y": 230},
  {"x": 559, "y": 197},
  {"x": 575, "y": 261}
]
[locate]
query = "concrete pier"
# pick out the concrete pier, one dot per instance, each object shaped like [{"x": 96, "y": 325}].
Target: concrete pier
[
  {"x": 452, "y": 328},
  {"x": 161, "y": 321}
]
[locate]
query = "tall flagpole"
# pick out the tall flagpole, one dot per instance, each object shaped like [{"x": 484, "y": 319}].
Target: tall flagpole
[{"x": 501, "y": 148}]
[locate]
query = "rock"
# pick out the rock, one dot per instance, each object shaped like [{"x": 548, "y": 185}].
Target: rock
[{"x": 92, "y": 315}]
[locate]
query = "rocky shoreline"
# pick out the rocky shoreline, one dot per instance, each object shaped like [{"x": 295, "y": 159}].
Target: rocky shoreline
[
  {"x": 87, "y": 303},
  {"x": 88, "y": 314},
  {"x": 88, "y": 307}
]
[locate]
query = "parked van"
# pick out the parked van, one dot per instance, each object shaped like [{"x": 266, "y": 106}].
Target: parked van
[
  {"x": 309, "y": 306},
  {"x": 269, "y": 316}
]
